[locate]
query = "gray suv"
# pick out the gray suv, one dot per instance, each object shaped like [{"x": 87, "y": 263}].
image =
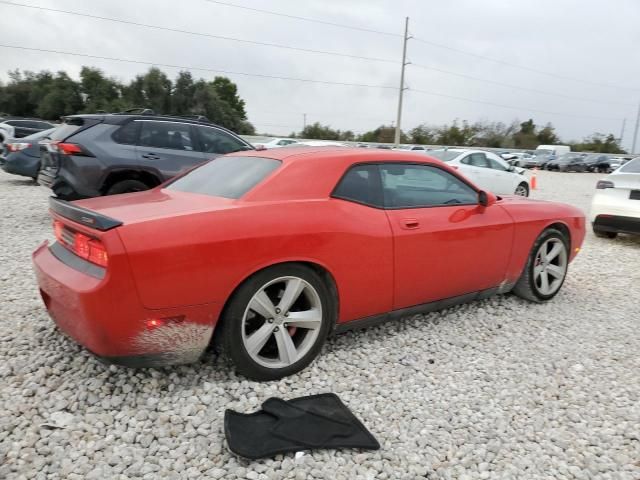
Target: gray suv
[{"x": 106, "y": 154}]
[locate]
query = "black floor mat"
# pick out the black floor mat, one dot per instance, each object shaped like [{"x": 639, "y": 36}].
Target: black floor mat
[{"x": 317, "y": 421}]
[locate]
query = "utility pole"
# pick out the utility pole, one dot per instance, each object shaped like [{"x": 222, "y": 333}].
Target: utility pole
[
  {"x": 304, "y": 121},
  {"x": 624, "y": 123},
  {"x": 401, "y": 92},
  {"x": 635, "y": 132}
]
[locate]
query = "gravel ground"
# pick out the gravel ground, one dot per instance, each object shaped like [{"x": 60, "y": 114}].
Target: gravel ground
[{"x": 498, "y": 389}]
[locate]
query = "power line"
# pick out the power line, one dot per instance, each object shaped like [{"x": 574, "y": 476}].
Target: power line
[
  {"x": 306, "y": 19},
  {"x": 512, "y": 107},
  {"x": 428, "y": 42},
  {"x": 204, "y": 69},
  {"x": 522, "y": 67},
  {"x": 517, "y": 87},
  {"x": 199, "y": 34}
]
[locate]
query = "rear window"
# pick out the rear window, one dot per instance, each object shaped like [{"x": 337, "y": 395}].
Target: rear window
[
  {"x": 71, "y": 126},
  {"x": 631, "y": 167},
  {"x": 445, "y": 155},
  {"x": 229, "y": 177}
]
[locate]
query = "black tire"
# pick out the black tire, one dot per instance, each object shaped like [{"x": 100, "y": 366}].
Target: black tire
[
  {"x": 231, "y": 333},
  {"x": 526, "y": 287},
  {"x": 127, "y": 186},
  {"x": 524, "y": 187},
  {"x": 603, "y": 234}
]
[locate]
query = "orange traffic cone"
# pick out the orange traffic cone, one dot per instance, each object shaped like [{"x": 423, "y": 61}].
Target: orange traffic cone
[{"x": 534, "y": 182}]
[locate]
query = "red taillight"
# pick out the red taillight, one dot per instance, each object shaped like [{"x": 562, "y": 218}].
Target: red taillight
[
  {"x": 70, "y": 149},
  {"x": 90, "y": 249},
  {"x": 16, "y": 147}
]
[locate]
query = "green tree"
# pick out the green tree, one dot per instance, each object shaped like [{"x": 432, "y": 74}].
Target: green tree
[
  {"x": 62, "y": 98},
  {"x": 101, "y": 93},
  {"x": 319, "y": 132},
  {"x": 423, "y": 134},
  {"x": 157, "y": 90},
  {"x": 599, "y": 143},
  {"x": 455, "y": 134},
  {"x": 547, "y": 136},
  {"x": 182, "y": 95}
]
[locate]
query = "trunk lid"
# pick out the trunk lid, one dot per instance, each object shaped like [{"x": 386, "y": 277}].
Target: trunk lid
[{"x": 153, "y": 204}]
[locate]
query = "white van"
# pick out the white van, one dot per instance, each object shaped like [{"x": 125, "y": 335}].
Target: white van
[{"x": 556, "y": 150}]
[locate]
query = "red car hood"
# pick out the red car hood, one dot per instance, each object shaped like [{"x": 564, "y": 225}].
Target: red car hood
[{"x": 153, "y": 204}]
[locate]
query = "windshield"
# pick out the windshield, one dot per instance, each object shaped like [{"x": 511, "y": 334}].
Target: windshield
[
  {"x": 631, "y": 167},
  {"x": 229, "y": 177},
  {"x": 445, "y": 155}
]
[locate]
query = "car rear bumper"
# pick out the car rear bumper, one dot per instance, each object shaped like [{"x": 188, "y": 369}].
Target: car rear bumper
[
  {"x": 106, "y": 317},
  {"x": 617, "y": 224},
  {"x": 24, "y": 165}
]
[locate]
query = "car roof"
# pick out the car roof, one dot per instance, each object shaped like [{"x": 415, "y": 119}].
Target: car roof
[{"x": 348, "y": 154}]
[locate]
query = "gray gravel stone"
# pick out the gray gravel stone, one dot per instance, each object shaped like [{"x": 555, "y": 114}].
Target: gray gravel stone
[{"x": 497, "y": 389}]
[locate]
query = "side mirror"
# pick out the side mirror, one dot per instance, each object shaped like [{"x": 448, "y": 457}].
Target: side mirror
[
  {"x": 511, "y": 168},
  {"x": 260, "y": 147},
  {"x": 486, "y": 199}
]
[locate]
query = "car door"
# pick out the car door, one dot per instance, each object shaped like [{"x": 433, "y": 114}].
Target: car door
[
  {"x": 504, "y": 180},
  {"x": 215, "y": 141},
  {"x": 168, "y": 147},
  {"x": 445, "y": 243}
]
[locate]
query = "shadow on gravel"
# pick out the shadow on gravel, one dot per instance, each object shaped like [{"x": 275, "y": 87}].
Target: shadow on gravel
[{"x": 21, "y": 182}]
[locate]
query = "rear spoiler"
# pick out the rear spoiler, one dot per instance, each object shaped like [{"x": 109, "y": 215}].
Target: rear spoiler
[{"x": 82, "y": 215}]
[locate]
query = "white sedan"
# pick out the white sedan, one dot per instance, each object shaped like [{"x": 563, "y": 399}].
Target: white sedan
[
  {"x": 275, "y": 143},
  {"x": 486, "y": 169},
  {"x": 616, "y": 205}
]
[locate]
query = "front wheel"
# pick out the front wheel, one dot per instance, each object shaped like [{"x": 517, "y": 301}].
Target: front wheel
[
  {"x": 546, "y": 267},
  {"x": 522, "y": 190},
  {"x": 277, "y": 321}
]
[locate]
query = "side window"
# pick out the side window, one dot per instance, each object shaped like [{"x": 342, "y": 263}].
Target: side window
[
  {"x": 217, "y": 141},
  {"x": 412, "y": 186},
  {"x": 479, "y": 160},
  {"x": 360, "y": 184},
  {"x": 175, "y": 136},
  {"x": 127, "y": 134},
  {"x": 496, "y": 165}
]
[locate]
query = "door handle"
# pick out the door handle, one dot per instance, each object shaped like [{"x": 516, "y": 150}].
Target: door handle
[
  {"x": 410, "y": 223},
  {"x": 151, "y": 156}
]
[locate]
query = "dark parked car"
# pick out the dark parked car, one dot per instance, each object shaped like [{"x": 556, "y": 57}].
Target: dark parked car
[
  {"x": 567, "y": 163},
  {"x": 21, "y": 127},
  {"x": 22, "y": 157},
  {"x": 105, "y": 154}
]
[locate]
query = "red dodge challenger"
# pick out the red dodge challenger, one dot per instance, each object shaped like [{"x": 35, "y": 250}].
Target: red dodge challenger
[{"x": 272, "y": 251}]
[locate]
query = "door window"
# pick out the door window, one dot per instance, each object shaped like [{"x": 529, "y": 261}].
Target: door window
[
  {"x": 217, "y": 141},
  {"x": 496, "y": 165},
  {"x": 127, "y": 134},
  {"x": 414, "y": 186},
  {"x": 174, "y": 136},
  {"x": 476, "y": 160},
  {"x": 360, "y": 184}
]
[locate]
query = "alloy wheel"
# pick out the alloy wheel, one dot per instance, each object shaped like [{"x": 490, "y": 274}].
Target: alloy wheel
[
  {"x": 282, "y": 322},
  {"x": 550, "y": 266},
  {"x": 521, "y": 190}
]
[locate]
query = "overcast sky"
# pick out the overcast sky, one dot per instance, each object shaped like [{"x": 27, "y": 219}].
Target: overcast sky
[{"x": 596, "y": 41}]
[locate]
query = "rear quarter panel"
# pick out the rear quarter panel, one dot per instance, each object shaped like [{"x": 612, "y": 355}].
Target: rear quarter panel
[{"x": 201, "y": 258}]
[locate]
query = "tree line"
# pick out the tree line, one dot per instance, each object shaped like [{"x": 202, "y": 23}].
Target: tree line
[
  {"x": 525, "y": 135},
  {"x": 53, "y": 95},
  {"x": 50, "y": 96}
]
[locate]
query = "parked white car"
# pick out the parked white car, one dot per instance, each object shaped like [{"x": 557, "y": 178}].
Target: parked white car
[
  {"x": 275, "y": 143},
  {"x": 616, "y": 205},
  {"x": 419, "y": 148},
  {"x": 486, "y": 169}
]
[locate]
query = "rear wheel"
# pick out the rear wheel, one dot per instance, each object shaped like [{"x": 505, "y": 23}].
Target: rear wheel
[
  {"x": 277, "y": 322},
  {"x": 603, "y": 234},
  {"x": 546, "y": 267},
  {"x": 522, "y": 190},
  {"x": 127, "y": 186}
]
